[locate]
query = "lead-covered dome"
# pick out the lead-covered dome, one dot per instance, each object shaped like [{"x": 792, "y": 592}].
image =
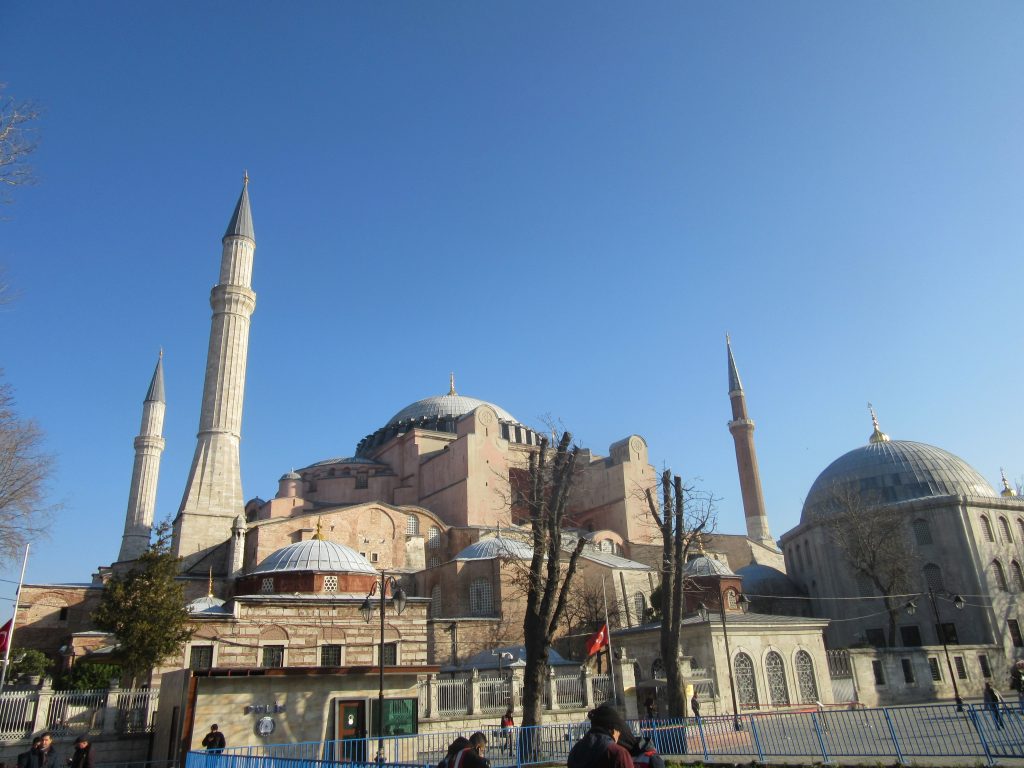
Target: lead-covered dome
[
  {"x": 315, "y": 555},
  {"x": 892, "y": 471},
  {"x": 707, "y": 566},
  {"x": 450, "y": 406},
  {"x": 496, "y": 547}
]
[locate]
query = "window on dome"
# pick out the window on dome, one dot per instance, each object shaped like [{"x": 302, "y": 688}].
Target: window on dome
[
  {"x": 933, "y": 577},
  {"x": 267, "y": 585},
  {"x": 998, "y": 575},
  {"x": 412, "y": 525},
  {"x": 922, "y": 532},
  {"x": 330, "y": 583},
  {"x": 1004, "y": 526},
  {"x": 434, "y": 537},
  {"x": 986, "y": 529},
  {"x": 480, "y": 597}
]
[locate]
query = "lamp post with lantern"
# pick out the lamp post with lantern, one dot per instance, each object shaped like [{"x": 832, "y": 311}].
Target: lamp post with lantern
[
  {"x": 958, "y": 603},
  {"x": 398, "y": 599}
]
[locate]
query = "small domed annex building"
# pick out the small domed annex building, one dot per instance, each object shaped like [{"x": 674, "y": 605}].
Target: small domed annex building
[{"x": 964, "y": 538}]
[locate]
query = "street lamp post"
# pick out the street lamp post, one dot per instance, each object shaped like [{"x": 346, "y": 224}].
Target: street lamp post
[
  {"x": 958, "y": 602},
  {"x": 702, "y": 610},
  {"x": 398, "y": 598}
]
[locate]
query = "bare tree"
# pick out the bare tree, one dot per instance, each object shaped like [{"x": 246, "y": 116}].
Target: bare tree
[
  {"x": 549, "y": 579},
  {"x": 584, "y": 614},
  {"x": 25, "y": 469},
  {"x": 17, "y": 142},
  {"x": 875, "y": 541},
  {"x": 685, "y": 514}
]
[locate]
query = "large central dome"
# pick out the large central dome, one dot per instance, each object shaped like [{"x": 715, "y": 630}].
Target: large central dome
[
  {"x": 895, "y": 470},
  {"x": 447, "y": 406}
]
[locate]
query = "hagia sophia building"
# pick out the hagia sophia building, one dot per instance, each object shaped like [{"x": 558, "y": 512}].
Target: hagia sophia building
[{"x": 431, "y": 498}]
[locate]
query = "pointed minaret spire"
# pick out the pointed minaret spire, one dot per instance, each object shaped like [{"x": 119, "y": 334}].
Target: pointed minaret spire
[
  {"x": 213, "y": 493},
  {"x": 877, "y": 435},
  {"x": 451, "y": 384},
  {"x": 149, "y": 446},
  {"x": 735, "y": 385},
  {"x": 742, "y": 429}
]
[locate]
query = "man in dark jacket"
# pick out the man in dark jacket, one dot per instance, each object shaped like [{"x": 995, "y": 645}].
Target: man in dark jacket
[
  {"x": 83, "y": 757},
  {"x": 44, "y": 756},
  {"x": 214, "y": 741},
  {"x": 599, "y": 748},
  {"x": 25, "y": 758}
]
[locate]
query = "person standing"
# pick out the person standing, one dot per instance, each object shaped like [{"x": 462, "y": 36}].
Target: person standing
[
  {"x": 25, "y": 758},
  {"x": 83, "y": 757},
  {"x": 44, "y": 756},
  {"x": 993, "y": 701},
  {"x": 214, "y": 742},
  {"x": 507, "y": 724},
  {"x": 600, "y": 747},
  {"x": 695, "y": 706},
  {"x": 650, "y": 706}
]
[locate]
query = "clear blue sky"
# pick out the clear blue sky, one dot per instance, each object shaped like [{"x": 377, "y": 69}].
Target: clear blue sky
[{"x": 568, "y": 204}]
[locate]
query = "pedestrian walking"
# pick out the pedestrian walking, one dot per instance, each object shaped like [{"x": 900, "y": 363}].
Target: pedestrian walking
[
  {"x": 214, "y": 742},
  {"x": 1017, "y": 681},
  {"x": 599, "y": 747},
  {"x": 695, "y": 706},
  {"x": 993, "y": 703},
  {"x": 507, "y": 724},
  {"x": 44, "y": 756},
  {"x": 25, "y": 758}
]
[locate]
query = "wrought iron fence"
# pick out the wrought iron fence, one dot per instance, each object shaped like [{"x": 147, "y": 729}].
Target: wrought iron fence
[
  {"x": 76, "y": 712},
  {"x": 977, "y": 733}
]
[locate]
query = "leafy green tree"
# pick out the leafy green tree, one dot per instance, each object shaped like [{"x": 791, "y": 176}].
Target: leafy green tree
[
  {"x": 29, "y": 661},
  {"x": 88, "y": 677},
  {"x": 145, "y": 609}
]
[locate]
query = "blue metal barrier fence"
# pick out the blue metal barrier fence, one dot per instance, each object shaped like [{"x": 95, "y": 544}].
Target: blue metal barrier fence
[{"x": 899, "y": 734}]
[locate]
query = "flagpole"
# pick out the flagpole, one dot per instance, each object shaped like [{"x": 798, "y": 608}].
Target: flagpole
[
  {"x": 608, "y": 629},
  {"x": 14, "y": 620}
]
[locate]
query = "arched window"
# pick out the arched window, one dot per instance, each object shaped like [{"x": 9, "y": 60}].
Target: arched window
[
  {"x": 997, "y": 575},
  {"x": 810, "y": 562},
  {"x": 480, "y": 597},
  {"x": 435, "y": 601},
  {"x": 1004, "y": 526},
  {"x": 412, "y": 525},
  {"x": 922, "y": 531},
  {"x": 639, "y": 606},
  {"x": 638, "y": 671},
  {"x": 799, "y": 560},
  {"x": 658, "y": 669},
  {"x": 805, "y": 678},
  {"x": 986, "y": 530},
  {"x": 775, "y": 671},
  {"x": 1020, "y": 528},
  {"x": 1017, "y": 576},
  {"x": 434, "y": 537},
  {"x": 746, "y": 685},
  {"x": 730, "y": 599},
  {"x": 933, "y": 577},
  {"x": 606, "y": 545}
]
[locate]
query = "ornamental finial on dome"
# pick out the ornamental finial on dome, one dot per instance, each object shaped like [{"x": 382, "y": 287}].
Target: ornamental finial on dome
[
  {"x": 1008, "y": 490},
  {"x": 877, "y": 436},
  {"x": 319, "y": 535},
  {"x": 209, "y": 586},
  {"x": 451, "y": 383}
]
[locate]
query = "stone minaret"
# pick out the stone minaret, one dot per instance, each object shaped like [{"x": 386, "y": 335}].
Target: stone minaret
[
  {"x": 149, "y": 445},
  {"x": 742, "y": 429},
  {"x": 213, "y": 493}
]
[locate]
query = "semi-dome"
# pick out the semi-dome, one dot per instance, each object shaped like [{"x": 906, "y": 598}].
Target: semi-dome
[
  {"x": 707, "y": 566},
  {"x": 315, "y": 555},
  {"x": 450, "y": 406},
  {"x": 888, "y": 471},
  {"x": 494, "y": 547},
  {"x": 206, "y": 605}
]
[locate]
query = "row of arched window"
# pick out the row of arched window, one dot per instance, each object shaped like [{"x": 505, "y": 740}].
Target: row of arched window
[
  {"x": 1005, "y": 536},
  {"x": 775, "y": 676},
  {"x": 997, "y": 575}
]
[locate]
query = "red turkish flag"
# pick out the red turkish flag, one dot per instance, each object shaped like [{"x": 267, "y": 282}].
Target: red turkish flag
[
  {"x": 597, "y": 641},
  {"x": 5, "y": 636}
]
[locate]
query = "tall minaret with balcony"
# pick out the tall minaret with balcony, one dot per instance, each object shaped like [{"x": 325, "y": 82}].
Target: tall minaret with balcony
[
  {"x": 742, "y": 429},
  {"x": 213, "y": 493},
  {"x": 149, "y": 445}
]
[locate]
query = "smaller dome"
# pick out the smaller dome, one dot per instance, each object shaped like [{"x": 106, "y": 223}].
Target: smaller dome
[
  {"x": 707, "y": 566},
  {"x": 762, "y": 579},
  {"x": 291, "y": 476},
  {"x": 451, "y": 405},
  {"x": 206, "y": 605},
  {"x": 494, "y": 547},
  {"x": 315, "y": 555}
]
